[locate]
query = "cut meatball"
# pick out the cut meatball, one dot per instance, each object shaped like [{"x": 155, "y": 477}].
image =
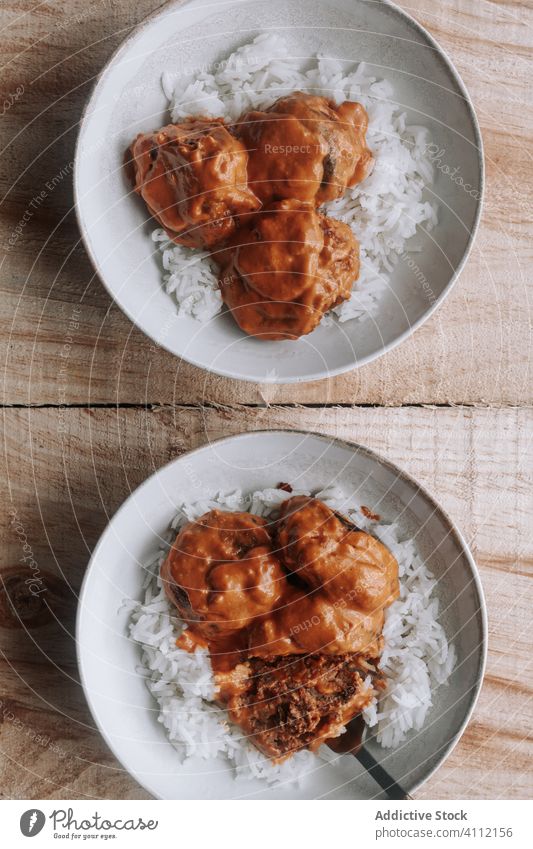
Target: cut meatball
[
  {"x": 291, "y": 611},
  {"x": 192, "y": 177},
  {"x": 292, "y": 703},
  {"x": 286, "y": 269},
  {"x": 306, "y": 147}
]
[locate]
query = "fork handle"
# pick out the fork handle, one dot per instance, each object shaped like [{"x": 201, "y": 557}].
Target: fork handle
[{"x": 380, "y": 775}]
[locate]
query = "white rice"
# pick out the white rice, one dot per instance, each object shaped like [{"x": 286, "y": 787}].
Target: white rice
[
  {"x": 417, "y": 658},
  {"x": 384, "y": 211}
]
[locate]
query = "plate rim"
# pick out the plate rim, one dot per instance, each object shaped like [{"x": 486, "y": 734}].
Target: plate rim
[
  {"x": 354, "y": 447},
  {"x": 167, "y": 9}
]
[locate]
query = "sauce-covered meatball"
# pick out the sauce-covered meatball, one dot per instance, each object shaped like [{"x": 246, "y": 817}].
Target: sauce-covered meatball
[
  {"x": 286, "y": 268},
  {"x": 192, "y": 177},
  {"x": 292, "y": 614},
  {"x": 348, "y": 580},
  {"x": 330, "y": 554},
  {"x": 221, "y": 573},
  {"x": 312, "y": 583},
  {"x": 306, "y": 147}
]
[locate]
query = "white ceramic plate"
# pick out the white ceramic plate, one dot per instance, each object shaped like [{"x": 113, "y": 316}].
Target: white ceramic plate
[
  {"x": 128, "y": 99},
  {"x": 119, "y": 700}
]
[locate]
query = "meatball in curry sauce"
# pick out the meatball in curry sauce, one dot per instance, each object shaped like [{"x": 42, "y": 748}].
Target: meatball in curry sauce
[
  {"x": 292, "y": 612},
  {"x": 349, "y": 578},
  {"x": 222, "y": 573},
  {"x": 286, "y": 268},
  {"x": 193, "y": 178},
  {"x": 306, "y": 147}
]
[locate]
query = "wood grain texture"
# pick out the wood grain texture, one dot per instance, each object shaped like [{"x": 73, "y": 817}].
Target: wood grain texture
[
  {"x": 476, "y": 348},
  {"x": 82, "y": 464},
  {"x": 63, "y": 343}
]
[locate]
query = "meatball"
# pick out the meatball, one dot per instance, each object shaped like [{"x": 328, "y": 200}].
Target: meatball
[
  {"x": 306, "y": 147},
  {"x": 221, "y": 572},
  {"x": 346, "y": 564},
  {"x": 192, "y": 177},
  {"x": 347, "y": 579},
  {"x": 286, "y": 268}
]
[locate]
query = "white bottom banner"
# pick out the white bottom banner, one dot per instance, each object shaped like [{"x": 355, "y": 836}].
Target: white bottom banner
[{"x": 266, "y": 825}]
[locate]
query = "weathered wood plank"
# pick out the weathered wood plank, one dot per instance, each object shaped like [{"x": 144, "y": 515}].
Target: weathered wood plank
[
  {"x": 476, "y": 349},
  {"x": 67, "y": 472}
]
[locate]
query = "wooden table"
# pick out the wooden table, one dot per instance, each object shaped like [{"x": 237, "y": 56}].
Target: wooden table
[{"x": 90, "y": 407}]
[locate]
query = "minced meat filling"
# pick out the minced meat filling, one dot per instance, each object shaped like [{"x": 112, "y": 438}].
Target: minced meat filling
[{"x": 294, "y": 702}]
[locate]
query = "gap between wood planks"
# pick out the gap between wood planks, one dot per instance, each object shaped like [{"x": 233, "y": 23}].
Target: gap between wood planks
[{"x": 213, "y": 405}]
